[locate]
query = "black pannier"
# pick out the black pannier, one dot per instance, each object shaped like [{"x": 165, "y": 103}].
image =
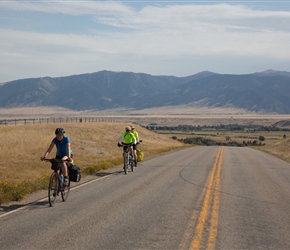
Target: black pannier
[{"x": 74, "y": 172}]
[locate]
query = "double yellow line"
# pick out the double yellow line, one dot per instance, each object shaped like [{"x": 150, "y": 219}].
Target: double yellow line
[{"x": 208, "y": 216}]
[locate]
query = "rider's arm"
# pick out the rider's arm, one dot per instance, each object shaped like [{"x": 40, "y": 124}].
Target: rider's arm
[
  {"x": 68, "y": 150},
  {"x": 120, "y": 139},
  {"x": 136, "y": 136},
  {"x": 48, "y": 150}
]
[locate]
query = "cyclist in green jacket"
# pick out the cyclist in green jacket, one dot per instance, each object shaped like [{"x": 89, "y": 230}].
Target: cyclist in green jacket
[
  {"x": 135, "y": 133},
  {"x": 128, "y": 138}
]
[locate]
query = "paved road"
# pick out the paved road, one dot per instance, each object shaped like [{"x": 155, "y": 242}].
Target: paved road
[{"x": 195, "y": 198}]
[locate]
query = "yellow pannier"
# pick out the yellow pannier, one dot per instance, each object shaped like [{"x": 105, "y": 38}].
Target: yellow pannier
[{"x": 140, "y": 155}]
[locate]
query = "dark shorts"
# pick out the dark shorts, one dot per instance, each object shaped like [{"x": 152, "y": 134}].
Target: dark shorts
[
  {"x": 59, "y": 157},
  {"x": 134, "y": 146},
  {"x": 126, "y": 146}
]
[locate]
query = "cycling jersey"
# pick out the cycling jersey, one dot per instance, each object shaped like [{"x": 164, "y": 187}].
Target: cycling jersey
[
  {"x": 128, "y": 138},
  {"x": 61, "y": 148}
]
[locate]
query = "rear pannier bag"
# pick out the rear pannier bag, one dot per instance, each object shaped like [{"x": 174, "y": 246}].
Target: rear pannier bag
[
  {"x": 140, "y": 155},
  {"x": 74, "y": 173}
]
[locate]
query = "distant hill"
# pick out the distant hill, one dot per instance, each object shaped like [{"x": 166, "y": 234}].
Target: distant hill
[{"x": 266, "y": 92}]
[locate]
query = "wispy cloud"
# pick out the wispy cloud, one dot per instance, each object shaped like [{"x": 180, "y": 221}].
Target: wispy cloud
[
  {"x": 69, "y": 7},
  {"x": 165, "y": 34}
]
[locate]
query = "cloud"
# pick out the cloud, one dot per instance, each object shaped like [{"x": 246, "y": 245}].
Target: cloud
[
  {"x": 68, "y": 7},
  {"x": 115, "y": 33}
]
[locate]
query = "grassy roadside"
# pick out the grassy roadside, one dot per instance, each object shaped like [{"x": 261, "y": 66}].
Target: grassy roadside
[
  {"x": 94, "y": 147},
  {"x": 279, "y": 149}
]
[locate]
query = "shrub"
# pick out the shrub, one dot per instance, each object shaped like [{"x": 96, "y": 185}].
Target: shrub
[{"x": 18, "y": 191}]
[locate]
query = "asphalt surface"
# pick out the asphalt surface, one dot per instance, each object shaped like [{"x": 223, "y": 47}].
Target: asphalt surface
[{"x": 195, "y": 198}]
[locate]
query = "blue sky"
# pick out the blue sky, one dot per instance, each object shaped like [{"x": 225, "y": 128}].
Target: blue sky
[{"x": 180, "y": 38}]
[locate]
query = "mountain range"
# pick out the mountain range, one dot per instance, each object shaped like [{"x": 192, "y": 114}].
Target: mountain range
[{"x": 262, "y": 92}]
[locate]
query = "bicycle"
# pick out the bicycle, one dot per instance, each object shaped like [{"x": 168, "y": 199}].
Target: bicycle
[
  {"x": 128, "y": 158},
  {"x": 56, "y": 186}
]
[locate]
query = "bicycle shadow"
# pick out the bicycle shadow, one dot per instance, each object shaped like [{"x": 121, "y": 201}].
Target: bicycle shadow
[
  {"x": 9, "y": 208},
  {"x": 103, "y": 174}
]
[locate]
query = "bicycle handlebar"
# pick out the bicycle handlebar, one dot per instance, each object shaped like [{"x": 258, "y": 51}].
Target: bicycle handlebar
[
  {"x": 54, "y": 159},
  {"x": 123, "y": 145}
]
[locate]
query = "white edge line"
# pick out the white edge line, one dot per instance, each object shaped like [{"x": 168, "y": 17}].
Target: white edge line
[{"x": 33, "y": 203}]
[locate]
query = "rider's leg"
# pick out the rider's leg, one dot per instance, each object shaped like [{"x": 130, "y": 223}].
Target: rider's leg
[
  {"x": 64, "y": 170},
  {"x": 134, "y": 153}
]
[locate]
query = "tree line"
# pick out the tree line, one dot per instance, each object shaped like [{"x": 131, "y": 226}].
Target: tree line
[{"x": 229, "y": 127}]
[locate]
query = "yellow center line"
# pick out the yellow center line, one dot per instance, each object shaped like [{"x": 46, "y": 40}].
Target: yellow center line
[
  {"x": 196, "y": 241},
  {"x": 214, "y": 214}
]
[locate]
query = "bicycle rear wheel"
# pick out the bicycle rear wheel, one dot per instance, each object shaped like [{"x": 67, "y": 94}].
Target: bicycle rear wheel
[
  {"x": 52, "y": 188},
  {"x": 132, "y": 164}
]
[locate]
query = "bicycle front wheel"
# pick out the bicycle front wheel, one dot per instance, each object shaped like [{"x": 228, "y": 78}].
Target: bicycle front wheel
[
  {"x": 65, "y": 191},
  {"x": 52, "y": 188},
  {"x": 125, "y": 156}
]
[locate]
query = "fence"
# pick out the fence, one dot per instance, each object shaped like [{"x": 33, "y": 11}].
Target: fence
[{"x": 53, "y": 120}]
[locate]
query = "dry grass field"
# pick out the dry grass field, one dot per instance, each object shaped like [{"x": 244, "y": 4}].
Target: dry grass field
[
  {"x": 92, "y": 144},
  {"x": 278, "y": 147}
]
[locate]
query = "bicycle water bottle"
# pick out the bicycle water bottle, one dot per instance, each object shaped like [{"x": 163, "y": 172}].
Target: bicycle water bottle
[{"x": 61, "y": 179}]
